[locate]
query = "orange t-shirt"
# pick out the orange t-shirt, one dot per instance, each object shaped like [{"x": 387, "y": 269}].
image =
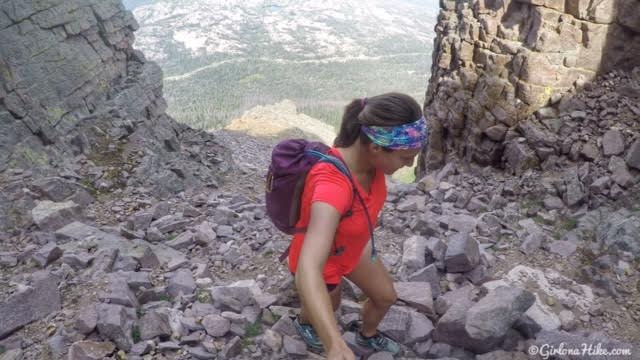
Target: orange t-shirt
[{"x": 327, "y": 184}]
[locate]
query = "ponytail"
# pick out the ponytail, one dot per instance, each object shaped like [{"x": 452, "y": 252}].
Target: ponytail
[
  {"x": 390, "y": 109},
  {"x": 350, "y": 126}
]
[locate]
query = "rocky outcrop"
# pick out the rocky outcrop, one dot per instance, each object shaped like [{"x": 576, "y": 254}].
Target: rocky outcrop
[
  {"x": 78, "y": 103},
  {"x": 498, "y": 61},
  {"x": 282, "y": 120}
]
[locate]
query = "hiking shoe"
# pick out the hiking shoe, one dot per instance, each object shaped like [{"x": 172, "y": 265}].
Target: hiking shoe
[
  {"x": 378, "y": 342},
  {"x": 309, "y": 335}
]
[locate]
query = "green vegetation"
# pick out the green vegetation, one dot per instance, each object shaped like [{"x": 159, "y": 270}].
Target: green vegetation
[
  {"x": 135, "y": 334},
  {"x": 203, "y": 296},
  {"x": 2, "y": 349},
  {"x": 210, "y": 98},
  {"x": 253, "y": 329}
]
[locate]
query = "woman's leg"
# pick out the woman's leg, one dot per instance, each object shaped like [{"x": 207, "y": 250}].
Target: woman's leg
[
  {"x": 376, "y": 283},
  {"x": 334, "y": 294}
]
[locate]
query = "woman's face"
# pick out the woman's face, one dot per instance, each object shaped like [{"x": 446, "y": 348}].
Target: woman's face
[{"x": 390, "y": 162}]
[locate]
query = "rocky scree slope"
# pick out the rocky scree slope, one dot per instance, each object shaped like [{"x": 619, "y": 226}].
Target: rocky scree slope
[{"x": 485, "y": 264}]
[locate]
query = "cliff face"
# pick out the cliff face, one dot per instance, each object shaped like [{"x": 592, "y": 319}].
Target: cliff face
[
  {"x": 498, "y": 61},
  {"x": 78, "y": 102},
  {"x": 79, "y": 105}
]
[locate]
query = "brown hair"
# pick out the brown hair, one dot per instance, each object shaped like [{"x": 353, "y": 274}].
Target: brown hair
[{"x": 390, "y": 109}]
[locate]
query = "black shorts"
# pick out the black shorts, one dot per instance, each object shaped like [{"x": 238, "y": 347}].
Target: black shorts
[{"x": 330, "y": 287}]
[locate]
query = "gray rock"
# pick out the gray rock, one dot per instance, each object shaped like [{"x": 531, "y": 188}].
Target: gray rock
[
  {"x": 168, "y": 346},
  {"x": 118, "y": 292},
  {"x": 136, "y": 280},
  {"x": 417, "y": 295},
  {"x": 169, "y": 223},
  {"x": 428, "y": 274},
  {"x": 225, "y": 231},
  {"x": 216, "y": 325},
  {"x": 489, "y": 319},
  {"x": 600, "y": 185},
  {"x": 160, "y": 209},
  {"x": 273, "y": 340},
  {"x": 8, "y": 259},
  {"x": 463, "y": 253},
  {"x": 382, "y": 355},
  {"x": 153, "y": 234},
  {"x": 140, "y": 221},
  {"x": 532, "y": 243},
  {"x": 284, "y": 326},
  {"x": 420, "y": 329},
  {"x": 142, "y": 348},
  {"x": 90, "y": 350},
  {"x": 183, "y": 241},
  {"x": 243, "y": 291},
  {"x": 205, "y": 234},
  {"x": 200, "y": 353},
  {"x": 562, "y": 248},
  {"x": 462, "y": 294},
  {"x": 33, "y": 303},
  {"x": 497, "y": 132},
  {"x": 181, "y": 281},
  {"x": 633, "y": 155},
  {"x": 154, "y": 324},
  {"x": 590, "y": 151},
  {"x": 575, "y": 192},
  {"x": 13, "y": 354},
  {"x": 480, "y": 327},
  {"x": 77, "y": 261},
  {"x": 613, "y": 143},
  {"x": 619, "y": 172},
  {"x": 49, "y": 215},
  {"x": 518, "y": 157},
  {"x": 413, "y": 254},
  {"x": 86, "y": 319},
  {"x": 620, "y": 230},
  {"x": 462, "y": 223},
  {"x": 231, "y": 348},
  {"x": 436, "y": 250},
  {"x": 396, "y": 323},
  {"x": 553, "y": 203},
  {"x": 115, "y": 325},
  {"x": 47, "y": 254},
  {"x": 294, "y": 347}
]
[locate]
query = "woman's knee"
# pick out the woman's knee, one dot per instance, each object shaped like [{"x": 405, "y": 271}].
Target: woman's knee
[{"x": 386, "y": 297}]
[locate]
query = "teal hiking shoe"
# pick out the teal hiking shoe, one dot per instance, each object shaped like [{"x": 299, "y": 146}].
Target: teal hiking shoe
[
  {"x": 309, "y": 336},
  {"x": 378, "y": 342}
]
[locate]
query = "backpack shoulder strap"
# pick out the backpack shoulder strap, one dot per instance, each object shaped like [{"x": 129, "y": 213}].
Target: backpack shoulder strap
[{"x": 342, "y": 167}]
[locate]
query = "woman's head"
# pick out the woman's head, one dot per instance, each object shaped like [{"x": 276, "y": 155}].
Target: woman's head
[{"x": 389, "y": 126}]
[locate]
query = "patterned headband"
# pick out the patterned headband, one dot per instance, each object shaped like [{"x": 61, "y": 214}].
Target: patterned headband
[{"x": 402, "y": 137}]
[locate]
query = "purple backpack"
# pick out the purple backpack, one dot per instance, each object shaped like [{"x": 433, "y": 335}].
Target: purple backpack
[{"x": 291, "y": 161}]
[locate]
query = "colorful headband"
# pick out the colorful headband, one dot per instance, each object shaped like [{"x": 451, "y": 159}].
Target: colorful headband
[{"x": 402, "y": 137}]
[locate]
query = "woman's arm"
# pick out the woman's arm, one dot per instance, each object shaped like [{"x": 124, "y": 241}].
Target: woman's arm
[{"x": 324, "y": 220}]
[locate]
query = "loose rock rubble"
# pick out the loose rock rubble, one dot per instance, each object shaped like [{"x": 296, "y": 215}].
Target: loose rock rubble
[{"x": 487, "y": 263}]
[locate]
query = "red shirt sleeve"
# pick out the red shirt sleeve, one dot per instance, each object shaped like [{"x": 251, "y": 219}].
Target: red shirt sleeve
[{"x": 330, "y": 186}]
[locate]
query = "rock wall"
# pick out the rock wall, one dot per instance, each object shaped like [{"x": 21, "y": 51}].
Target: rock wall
[
  {"x": 498, "y": 61},
  {"x": 79, "y": 102}
]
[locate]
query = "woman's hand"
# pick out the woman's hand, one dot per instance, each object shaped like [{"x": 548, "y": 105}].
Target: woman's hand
[{"x": 340, "y": 351}]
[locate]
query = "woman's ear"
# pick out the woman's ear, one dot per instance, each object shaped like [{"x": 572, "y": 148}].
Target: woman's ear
[{"x": 374, "y": 148}]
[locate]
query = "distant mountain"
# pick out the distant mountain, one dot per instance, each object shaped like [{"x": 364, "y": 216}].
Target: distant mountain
[
  {"x": 132, "y": 4},
  {"x": 222, "y": 57}
]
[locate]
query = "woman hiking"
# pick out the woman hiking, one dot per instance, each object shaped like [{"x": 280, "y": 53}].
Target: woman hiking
[{"x": 378, "y": 136}]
